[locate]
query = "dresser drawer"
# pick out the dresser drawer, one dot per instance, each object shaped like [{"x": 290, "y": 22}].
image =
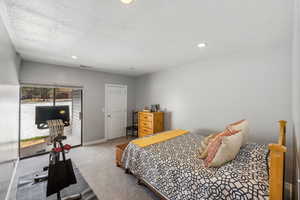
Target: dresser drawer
[
  {"x": 141, "y": 134},
  {"x": 146, "y": 117},
  {"x": 146, "y": 124},
  {"x": 145, "y": 131}
]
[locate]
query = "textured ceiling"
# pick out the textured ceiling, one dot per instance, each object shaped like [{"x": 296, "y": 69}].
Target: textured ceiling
[{"x": 147, "y": 35}]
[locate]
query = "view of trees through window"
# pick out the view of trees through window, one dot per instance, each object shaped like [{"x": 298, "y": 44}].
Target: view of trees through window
[
  {"x": 35, "y": 94},
  {"x": 33, "y": 139}
]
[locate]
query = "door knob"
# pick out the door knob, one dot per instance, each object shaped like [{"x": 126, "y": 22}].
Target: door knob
[{"x": 109, "y": 116}]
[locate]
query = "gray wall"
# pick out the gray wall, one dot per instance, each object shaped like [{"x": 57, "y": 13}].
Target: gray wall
[
  {"x": 9, "y": 108},
  {"x": 296, "y": 95},
  {"x": 93, "y": 95},
  {"x": 9, "y": 96},
  {"x": 211, "y": 94},
  {"x": 9, "y": 61}
]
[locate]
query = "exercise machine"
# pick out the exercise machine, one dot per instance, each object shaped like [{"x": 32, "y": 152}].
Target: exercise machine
[{"x": 60, "y": 172}]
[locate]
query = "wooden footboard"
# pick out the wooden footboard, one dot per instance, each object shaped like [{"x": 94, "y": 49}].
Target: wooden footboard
[{"x": 276, "y": 165}]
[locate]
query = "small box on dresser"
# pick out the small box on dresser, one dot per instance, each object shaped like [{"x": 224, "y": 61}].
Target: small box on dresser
[{"x": 150, "y": 123}]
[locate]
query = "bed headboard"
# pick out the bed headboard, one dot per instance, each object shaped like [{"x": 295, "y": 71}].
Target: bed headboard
[{"x": 276, "y": 165}]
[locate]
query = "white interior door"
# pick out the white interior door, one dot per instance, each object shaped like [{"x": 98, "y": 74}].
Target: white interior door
[{"x": 115, "y": 110}]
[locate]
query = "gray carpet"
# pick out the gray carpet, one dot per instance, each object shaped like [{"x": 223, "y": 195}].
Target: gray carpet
[
  {"x": 97, "y": 165},
  {"x": 28, "y": 190}
]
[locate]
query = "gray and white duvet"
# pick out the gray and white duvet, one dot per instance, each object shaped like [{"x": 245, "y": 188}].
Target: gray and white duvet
[{"x": 174, "y": 169}]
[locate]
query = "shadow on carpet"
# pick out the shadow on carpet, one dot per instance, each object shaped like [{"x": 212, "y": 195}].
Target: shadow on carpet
[{"x": 28, "y": 190}]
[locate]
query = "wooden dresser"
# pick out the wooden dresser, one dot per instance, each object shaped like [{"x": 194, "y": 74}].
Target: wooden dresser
[{"x": 150, "y": 123}]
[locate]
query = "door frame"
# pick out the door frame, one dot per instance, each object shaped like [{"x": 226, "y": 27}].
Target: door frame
[
  {"x": 41, "y": 85},
  {"x": 106, "y": 107}
]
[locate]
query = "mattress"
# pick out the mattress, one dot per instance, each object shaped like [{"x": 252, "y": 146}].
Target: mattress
[{"x": 175, "y": 170}]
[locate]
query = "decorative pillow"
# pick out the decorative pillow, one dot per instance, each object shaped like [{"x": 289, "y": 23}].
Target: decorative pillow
[
  {"x": 204, "y": 145},
  {"x": 242, "y": 125},
  {"x": 229, "y": 148},
  {"x": 214, "y": 145}
]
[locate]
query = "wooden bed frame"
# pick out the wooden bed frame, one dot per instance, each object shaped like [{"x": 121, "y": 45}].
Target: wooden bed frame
[
  {"x": 276, "y": 168},
  {"x": 277, "y": 165}
]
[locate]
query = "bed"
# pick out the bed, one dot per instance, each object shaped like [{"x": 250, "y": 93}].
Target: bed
[{"x": 173, "y": 170}]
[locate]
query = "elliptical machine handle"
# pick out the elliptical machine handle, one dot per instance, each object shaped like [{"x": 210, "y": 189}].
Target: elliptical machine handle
[{"x": 67, "y": 147}]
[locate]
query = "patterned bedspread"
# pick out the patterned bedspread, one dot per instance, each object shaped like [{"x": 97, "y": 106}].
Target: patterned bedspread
[{"x": 174, "y": 169}]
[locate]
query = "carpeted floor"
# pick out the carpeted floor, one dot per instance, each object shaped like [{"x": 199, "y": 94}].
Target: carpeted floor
[{"x": 97, "y": 165}]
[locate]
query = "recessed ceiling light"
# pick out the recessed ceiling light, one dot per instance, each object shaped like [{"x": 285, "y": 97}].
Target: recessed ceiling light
[
  {"x": 201, "y": 45},
  {"x": 126, "y": 1},
  {"x": 74, "y": 57}
]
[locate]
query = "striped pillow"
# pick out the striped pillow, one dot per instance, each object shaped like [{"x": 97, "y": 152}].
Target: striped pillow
[
  {"x": 204, "y": 144},
  {"x": 214, "y": 146}
]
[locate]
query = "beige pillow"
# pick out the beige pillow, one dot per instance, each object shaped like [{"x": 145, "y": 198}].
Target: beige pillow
[
  {"x": 204, "y": 145},
  {"x": 228, "y": 150},
  {"x": 242, "y": 125}
]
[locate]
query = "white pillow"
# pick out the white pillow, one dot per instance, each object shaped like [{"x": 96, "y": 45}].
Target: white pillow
[
  {"x": 242, "y": 125},
  {"x": 228, "y": 150}
]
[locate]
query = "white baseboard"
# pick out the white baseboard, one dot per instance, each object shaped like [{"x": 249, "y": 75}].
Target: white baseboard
[
  {"x": 12, "y": 180},
  {"x": 95, "y": 142}
]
